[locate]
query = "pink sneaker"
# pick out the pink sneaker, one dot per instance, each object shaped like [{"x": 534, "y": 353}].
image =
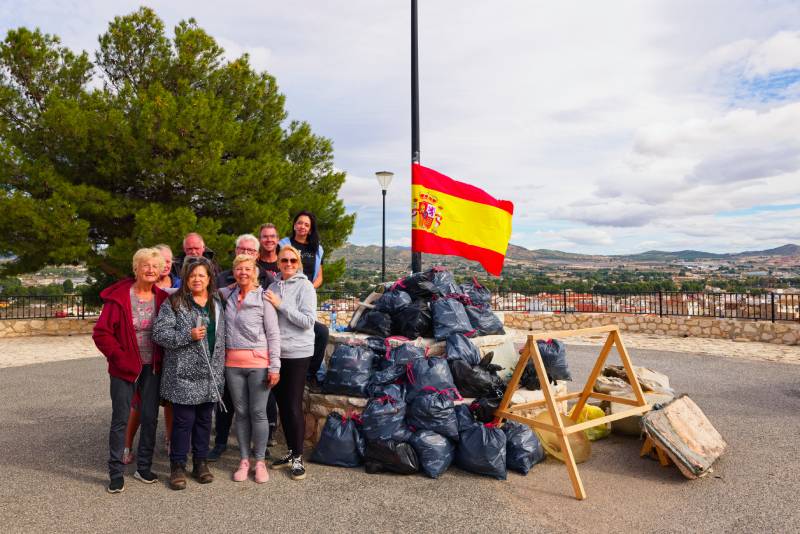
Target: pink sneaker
[
  {"x": 128, "y": 456},
  {"x": 240, "y": 475},
  {"x": 261, "y": 472}
]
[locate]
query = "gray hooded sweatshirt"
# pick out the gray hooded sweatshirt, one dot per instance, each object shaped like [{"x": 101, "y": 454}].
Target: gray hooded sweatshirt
[{"x": 296, "y": 316}]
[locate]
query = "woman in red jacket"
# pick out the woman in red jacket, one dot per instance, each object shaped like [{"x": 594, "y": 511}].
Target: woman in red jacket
[{"x": 123, "y": 335}]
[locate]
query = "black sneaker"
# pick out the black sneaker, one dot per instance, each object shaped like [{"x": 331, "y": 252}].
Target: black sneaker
[
  {"x": 283, "y": 461},
  {"x": 216, "y": 452},
  {"x": 117, "y": 485},
  {"x": 148, "y": 477},
  {"x": 298, "y": 469}
]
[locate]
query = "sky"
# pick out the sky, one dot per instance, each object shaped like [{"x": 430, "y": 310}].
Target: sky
[{"x": 614, "y": 127}]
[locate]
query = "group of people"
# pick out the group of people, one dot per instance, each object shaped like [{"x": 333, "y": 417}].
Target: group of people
[{"x": 203, "y": 343}]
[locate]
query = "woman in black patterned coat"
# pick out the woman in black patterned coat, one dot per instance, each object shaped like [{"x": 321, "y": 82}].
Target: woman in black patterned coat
[{"x": 192, "y": 332}]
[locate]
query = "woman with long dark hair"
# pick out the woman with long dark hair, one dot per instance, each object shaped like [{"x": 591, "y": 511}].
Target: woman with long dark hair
[
  {"x": 191, "y": 328},
  {"x": 305, "y": 238}
]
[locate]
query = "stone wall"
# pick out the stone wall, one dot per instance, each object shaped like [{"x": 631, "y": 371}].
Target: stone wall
[
  {"x": 46, "y": 327},
  {"x": 784, "y": 333}
]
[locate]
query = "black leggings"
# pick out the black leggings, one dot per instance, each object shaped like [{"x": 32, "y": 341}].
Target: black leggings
[
  {"x": 289, "y": 394},
  {"x": 321, "y": 334}
]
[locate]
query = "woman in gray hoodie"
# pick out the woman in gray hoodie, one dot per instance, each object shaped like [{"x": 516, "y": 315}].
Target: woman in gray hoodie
[
  {"x": 294, "y": 298},
  {"x": 252, "y": 363}
]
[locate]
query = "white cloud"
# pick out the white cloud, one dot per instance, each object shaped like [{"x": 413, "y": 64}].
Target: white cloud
[{"x": 610, "y": 126}]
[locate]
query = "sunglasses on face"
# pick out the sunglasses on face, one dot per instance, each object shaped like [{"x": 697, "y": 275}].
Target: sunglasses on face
[{"x": 289, "y": 260}]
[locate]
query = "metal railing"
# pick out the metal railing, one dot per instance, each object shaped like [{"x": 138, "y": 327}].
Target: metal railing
[
  {"x": 42, "y": 306},
  {"x": 764, "y": 307}
]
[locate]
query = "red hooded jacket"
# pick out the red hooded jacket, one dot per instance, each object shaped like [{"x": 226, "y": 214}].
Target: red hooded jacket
[{"x": 114, "y": 334}]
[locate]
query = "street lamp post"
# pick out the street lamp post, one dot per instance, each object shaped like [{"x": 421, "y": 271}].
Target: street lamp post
[{"x": 384, "y": 179}]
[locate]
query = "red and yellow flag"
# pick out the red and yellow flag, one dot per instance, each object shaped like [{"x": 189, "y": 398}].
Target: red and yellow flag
[{"x": 458, "y": 219}]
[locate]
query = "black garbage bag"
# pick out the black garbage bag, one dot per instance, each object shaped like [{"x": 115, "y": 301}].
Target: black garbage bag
[
  {"x": 523, "y": 448},
  {"x": 473, "y": 380},
  {"x": 376, "y": 344},
  {"x": 483, "y": 409},
  {"x": 391, "y": 456},
  {"x": 434, "y": 410},
  {"x": 418, "y": 285},
  {"x": 384, "y": 419},
  {"x": 554, "y": 356},
  {"x": 393, "y": 365},
  {"x": 375, "y": 322},
  {"x": 427, "y": 372},
  {"x": 413, "y": 321},
  {"x": 395, "y": 391},
  {"x": 449, "y": 317},
  {"x": 484, "y": 321},
  {"x": 482, "y": 450},
  {"x": 458, "y": 347},
  {"x": 478, "y": 294},
  {"x": 442, "y": 281},
  {"x": 340, "y": 443},
  {"x": 349, "y": 370},
  {"x": 435, "y": 452},
  {"x": 401, "y": 355},
  {"x": 464, "y": 417},
  {"x": 392, "y": 301}
]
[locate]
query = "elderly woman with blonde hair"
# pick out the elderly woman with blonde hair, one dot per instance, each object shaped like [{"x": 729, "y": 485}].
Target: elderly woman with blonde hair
[
  {"x": 123, "y": 334},
  {"x": 252, "y": 363}
]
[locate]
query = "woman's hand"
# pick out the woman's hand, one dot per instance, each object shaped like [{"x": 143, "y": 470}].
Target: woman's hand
[
  {"x": 198, "y": 333},
  {"x": 273, "y": 299},
  {"x": 273, "y": 379}
]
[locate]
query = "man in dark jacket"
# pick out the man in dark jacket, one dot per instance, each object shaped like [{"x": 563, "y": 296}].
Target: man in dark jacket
[{"x": 193, "y": 245}]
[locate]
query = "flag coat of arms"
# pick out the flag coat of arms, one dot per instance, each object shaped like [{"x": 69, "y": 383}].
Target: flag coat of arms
[{"x": 458, "y": 219}]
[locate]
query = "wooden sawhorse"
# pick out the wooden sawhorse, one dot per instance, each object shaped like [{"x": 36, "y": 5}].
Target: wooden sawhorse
[{"x": 530, "y": 352}]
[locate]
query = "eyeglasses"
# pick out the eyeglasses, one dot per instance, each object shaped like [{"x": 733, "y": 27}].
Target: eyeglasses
[
  {"x": 247, "y": 250},
  {"x": 289, "y": 260}
]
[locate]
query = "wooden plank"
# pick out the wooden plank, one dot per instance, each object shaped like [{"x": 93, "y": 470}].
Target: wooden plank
[
  {"x": 555, "y": 419},
  {"x": 626, "y": 362},
  {"x": 589, "y": 387},
  {"x": 534, "y": 404},
  {"x": 529, "y": 421},
  {"x": 558, "y": 334},
  {"x": 524, "y": 357},
  {"x": 614, "y": 398},
  {"x": 638, "y": 410}
]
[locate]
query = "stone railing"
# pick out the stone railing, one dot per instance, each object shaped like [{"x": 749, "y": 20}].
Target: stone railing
[
  {"x": 46, "y": 327},
  {"x": 783, "y": 333}
]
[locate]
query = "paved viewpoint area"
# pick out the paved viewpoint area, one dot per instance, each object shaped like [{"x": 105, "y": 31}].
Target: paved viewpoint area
[{"x": 53, "y": 448}]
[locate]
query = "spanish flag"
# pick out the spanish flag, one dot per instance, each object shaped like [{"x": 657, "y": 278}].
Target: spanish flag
[{"x": 458, "y": 219}]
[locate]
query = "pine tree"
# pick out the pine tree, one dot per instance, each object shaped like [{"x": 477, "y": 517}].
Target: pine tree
[{"x": 158, "y": 137}]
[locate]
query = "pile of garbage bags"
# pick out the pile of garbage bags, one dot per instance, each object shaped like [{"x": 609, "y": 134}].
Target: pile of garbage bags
[
  {"x": 430, "y": 304},
  {"x": 415, "y": 420}
]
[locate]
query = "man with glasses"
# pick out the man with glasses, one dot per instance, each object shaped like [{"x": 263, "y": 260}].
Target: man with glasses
[{"x": 246, "y": 244}]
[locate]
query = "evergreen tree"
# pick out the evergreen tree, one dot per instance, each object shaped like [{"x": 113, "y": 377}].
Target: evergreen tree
[{"x": 171, "y": 138}]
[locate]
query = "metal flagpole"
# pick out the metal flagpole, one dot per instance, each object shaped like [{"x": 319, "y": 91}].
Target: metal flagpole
[{"x": 416, "y": 257}]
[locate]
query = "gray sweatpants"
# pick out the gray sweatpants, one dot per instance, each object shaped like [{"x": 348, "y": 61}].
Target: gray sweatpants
[{"x": 249, "y": 394}]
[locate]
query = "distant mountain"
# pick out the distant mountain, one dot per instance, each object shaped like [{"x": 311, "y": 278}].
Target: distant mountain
[{"x": 369, "y": 256}]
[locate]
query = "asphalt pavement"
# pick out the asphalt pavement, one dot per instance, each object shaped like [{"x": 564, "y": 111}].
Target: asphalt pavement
[{"x": 54, "y": 437}]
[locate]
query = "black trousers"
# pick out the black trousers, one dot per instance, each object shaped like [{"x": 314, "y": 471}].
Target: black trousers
[
  {"x": 121, "y": 395},
  {"x": 321, "y": 334},
  {"x": 289, "y": 393},
  {"x": 191, "y": 426}
]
